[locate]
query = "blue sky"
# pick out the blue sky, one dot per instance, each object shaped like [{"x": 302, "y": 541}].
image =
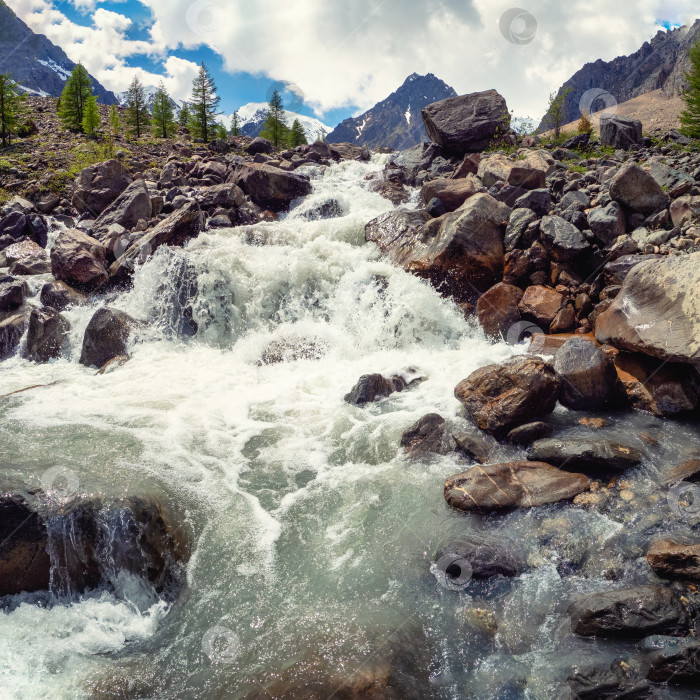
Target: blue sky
[{"x": 344, "y": 56}]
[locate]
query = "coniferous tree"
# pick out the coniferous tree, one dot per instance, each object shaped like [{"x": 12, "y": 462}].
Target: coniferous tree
[
  {"x": 91, "y": 116},
  {"x": 297, "y": 135},
  {"x": 137, "y": 117},
  {"x": 185, "y": 116},
  {"x": 204, "y": 104},
  {"x": 220, "y": 131},
  {"x": 275, "y": 129},
  {"x": 114, "y": 122},
  {"x": 10, "y": 107},
  {"x": 163, "y": 120},
  {"x": 690, "y": 117},
  {"x": 77, "y": 91},
  {"x": 235, "y": 124},
  {"x": 557, "y": 111}
]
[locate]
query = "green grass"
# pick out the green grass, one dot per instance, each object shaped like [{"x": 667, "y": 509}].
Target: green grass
[{"x": 577, "y": 168}]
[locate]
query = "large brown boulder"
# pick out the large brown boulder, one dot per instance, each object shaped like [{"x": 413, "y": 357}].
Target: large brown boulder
[
  {"x": 637, "y": 190},
  {"x": 469, "y": 123},
  {"x": 461, "y": 253},
  {"x": 451, "y": 193},
  {"x": 106, "y": 336},
  {"x": 132, "y": 205},
  {"x": 97, "y": 186},
  {"x": 541, "y": 304},
  {"x": 497, "y": 487},
  {"x": 270, "y": 187},
  {"x": 501, "y": 397},
  {"x": 657, "y": 312},
  {"x": 497, "y": 309},
  {"x": 79, "y": 260},
  {"x": 629, "y": 613},
  {"x": 184, "y": 223},
  {"x": 671, "y": 560}
]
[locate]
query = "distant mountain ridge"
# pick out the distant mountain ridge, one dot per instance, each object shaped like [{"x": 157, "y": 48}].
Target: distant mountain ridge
[
  {"x": 395, "y": 122},
  {"x": 660, "y": 64},
  {"x": 252, "y": 116},
  {"x": 39, "y": 66}
]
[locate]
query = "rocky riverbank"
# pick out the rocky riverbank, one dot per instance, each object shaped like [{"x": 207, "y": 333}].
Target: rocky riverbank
[{"x": 585, "y": 258}]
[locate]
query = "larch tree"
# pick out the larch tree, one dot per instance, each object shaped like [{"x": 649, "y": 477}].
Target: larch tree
[
  {"x": 203, "y": 105},
  {"x": 137, "y": 116},
  {"x": 10, "y": 107},
  {"x": 91, "y": 116},
  {"x": 76, "y": 93},
  {"x": 275, "y": 129},
  {"x": 690, "y": 117},
  {"x": 163, "y": 119},
  {"x": 114, "y": 121},
  {"x": 235, "y": 124},
  {"x": 297, "y": 135}
]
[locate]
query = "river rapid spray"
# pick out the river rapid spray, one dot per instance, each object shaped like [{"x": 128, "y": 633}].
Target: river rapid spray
[{"x": 314, "y": 536}]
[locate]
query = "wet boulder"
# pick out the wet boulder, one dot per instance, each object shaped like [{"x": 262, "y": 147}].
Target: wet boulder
[
  {"x": 615, "y": 682},
  {"x": 468, "y": 123},
  {"x": 585, "y": 453},
  {"x": 79, "y": 260},
  {"x": 588, "y": 375},
  {"x": 497, "y": 309},
  {"x": 58, "y": 295},
  {"x": 97, "y": 186},
  {"x": 394, "y": 232},
  {"x": 499, "y": 487},
  {"x": 487, "y": 556},
  {"x": 428, "y": 435},
  {"x": 47, "y": 331},
  {"x": 500, "y": 397},
  {"x": 620, "y": 132},
  {"x": 183, "y": 224},
  {"x": 677, "y": 662},
  {"x": 12, "y": 327},
  {"x": 12, "y": 293},
  {"x": 371, "y": 387},
  {"x": 657, "y": 312},
  {"x": 637, "y": 190},
  {"x": 106, "y": 336},
  {"x": 629, "y": 613},
  {"x": 25, "y": 257},
  {"x": 270, "y": 187},
  {"x": 529, "y": 432},
  {"x": 674, "y": 561}
]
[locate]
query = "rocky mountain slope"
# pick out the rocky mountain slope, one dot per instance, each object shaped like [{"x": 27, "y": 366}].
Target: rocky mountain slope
[
  {"x": 252, "y": 119},
  {"x": 660, "y": 64},
  {"x": 39, "y": 66},
  {"x": 396, "y": 122}
]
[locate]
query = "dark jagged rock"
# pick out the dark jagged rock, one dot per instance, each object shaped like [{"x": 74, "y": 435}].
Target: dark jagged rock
[
  {"x": 588, "y": 376},
  {"x": 528, "y": 433},
  {"x": 677, "y": 663},
  {"x": 12, "y": 293},
  {"x": 585, "y": 453},
  {"x": 132, "y": 205},
  {"x": 629, "y": 613},
  {"x": 371, "y": 387},
  {"x": 106, "y": 336},
  {"x": 674, "y": 561},
  {"x": 468, "y": 123},
  {"x": 58, "y": 295},
  {"x": 428, "y": 435},
  {"x": 12, "y": 327},
  {"x": 637, "y": 190},
  {"x": 487, "y": 557},
  {"x": 47, "y": 331},
  {"x": 396, "y": 121},
  {"x": 616, "y": 682},
  {"x": 620, "y": 132},
  {"x": 501, "y": 397},
  {"x": 498, "y": 487},
  {"x": 271, "y": 187}
]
